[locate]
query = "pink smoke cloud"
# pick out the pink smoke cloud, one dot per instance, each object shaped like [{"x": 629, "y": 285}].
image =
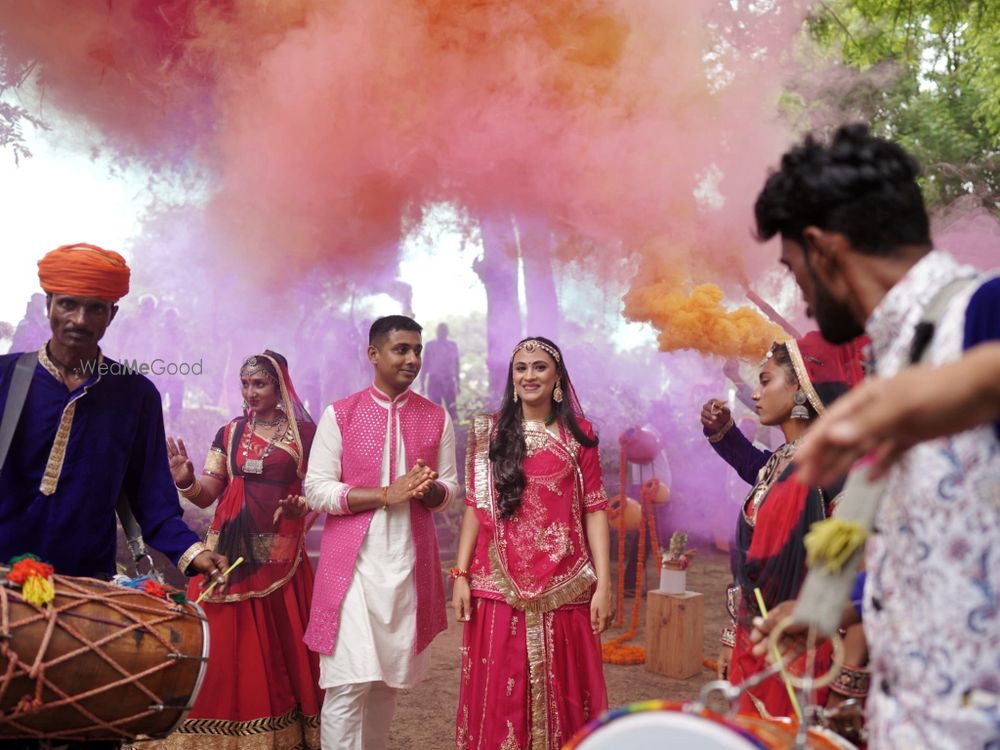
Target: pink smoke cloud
[{"x": 328, "y": 125}]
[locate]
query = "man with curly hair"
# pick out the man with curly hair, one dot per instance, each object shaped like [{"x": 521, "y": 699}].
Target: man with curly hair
[{"x": 856, "y": 235}]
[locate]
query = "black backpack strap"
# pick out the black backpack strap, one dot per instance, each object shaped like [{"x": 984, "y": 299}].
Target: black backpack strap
[{"x": 17, "y": 395}]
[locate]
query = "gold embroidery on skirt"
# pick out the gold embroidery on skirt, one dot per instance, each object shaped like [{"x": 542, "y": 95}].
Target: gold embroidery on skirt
[
  {"x": 511, "y": 742},
  {"x": 535, "y": 631}
]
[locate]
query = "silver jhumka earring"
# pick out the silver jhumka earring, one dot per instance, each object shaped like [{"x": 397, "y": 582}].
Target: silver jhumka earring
[{"x": 799, "y": 411}]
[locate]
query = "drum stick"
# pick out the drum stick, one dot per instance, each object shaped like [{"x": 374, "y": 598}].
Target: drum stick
[
  {"x": 213, "y": 584},
  {"x": 777, "y": 658}
]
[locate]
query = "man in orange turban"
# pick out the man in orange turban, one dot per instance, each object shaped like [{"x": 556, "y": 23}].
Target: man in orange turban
[
  {"x": 84, "y": 270},
  {"x": 79, "y": 429}
]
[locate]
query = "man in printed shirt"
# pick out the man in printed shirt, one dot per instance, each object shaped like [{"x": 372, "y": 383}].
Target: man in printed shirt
[
  {"x": 855, "y": 233},
  {"x": 382, "y": 462}
]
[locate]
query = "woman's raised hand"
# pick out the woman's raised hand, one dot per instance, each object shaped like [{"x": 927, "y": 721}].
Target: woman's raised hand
[
  {"x": 715, "y": 415},
  {"x": 181, "y": 468}
]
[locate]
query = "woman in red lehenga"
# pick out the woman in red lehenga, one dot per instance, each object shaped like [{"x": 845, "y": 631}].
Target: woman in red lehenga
[
  {"x": 261, "y": 688},
  {"x": 533, "y": 578}
]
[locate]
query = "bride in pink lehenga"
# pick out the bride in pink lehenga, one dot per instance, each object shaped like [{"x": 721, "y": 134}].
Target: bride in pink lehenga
[{"x": 533, "y": 578}]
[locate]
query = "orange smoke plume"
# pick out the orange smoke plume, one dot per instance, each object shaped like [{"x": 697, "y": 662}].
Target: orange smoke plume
[{"x": 698, "y": 320}]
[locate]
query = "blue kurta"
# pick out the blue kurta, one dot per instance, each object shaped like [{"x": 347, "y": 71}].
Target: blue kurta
[
  {"x": 745, "y": 457},
  {"x": 115, "y": 441}
]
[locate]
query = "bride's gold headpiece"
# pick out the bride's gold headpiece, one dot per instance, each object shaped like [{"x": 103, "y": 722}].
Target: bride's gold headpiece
[{"x": 531, "y": 344}]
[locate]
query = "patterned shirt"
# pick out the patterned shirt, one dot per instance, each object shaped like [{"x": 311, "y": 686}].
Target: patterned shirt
[{"x": 931, "y": 608}]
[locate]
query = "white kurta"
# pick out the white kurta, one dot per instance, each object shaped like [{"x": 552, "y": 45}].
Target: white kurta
[{"x": 378, "y": 616}]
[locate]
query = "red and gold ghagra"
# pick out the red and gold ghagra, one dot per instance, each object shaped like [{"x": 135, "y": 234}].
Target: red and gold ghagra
[{"x": 293, "y": 731}]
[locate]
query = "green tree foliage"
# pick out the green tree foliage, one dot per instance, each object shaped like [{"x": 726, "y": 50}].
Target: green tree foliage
[
  {"x": 13, "y": 117},
  {"x": 930, "y": 78}
]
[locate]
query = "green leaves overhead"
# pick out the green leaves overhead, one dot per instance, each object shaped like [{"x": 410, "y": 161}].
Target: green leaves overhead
[{"x": 929, "y": 76}]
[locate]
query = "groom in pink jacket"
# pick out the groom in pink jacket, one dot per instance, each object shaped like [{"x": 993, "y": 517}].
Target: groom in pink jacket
[{"x": 382, "y": 462}]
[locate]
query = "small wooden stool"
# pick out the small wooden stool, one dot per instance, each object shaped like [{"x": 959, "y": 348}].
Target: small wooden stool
[{"x": 675, "y": 634}]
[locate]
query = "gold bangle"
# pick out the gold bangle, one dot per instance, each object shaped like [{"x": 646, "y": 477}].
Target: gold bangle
[
  {"x": 716, "y": 437},
  {"x": 191, "y": 491}
]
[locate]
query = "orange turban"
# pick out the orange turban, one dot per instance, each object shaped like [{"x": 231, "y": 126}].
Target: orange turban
[{"x": 84, "y": 270}]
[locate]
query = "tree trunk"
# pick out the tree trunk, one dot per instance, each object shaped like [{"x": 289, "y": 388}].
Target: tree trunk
[
  {"x": 498, "y": 271},
  {"x": 541, "y": 302}
]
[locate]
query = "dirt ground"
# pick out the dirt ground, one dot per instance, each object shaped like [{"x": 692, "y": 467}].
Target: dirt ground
[{"x": 425, "y": 717}]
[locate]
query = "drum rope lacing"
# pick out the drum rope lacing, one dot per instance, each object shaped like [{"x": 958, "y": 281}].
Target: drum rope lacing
[{"x": 74, "y": 595}]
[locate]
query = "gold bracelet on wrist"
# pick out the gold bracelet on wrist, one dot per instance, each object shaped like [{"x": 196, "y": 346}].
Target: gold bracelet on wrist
[
  {"x": 191, "y": 491},
  {"x": 716, "y": 437}
]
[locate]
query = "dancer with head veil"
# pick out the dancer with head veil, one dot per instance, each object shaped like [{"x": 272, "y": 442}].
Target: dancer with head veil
[
  {"x": 532, "y": 581},
  {"x": 261, "y": 686},
  {"x": 797, "y": 380}
]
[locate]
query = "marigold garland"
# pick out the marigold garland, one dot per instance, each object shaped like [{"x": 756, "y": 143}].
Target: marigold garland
[
  {"x": 34, "y": 577},
  {"x": 616, "y": 651}
]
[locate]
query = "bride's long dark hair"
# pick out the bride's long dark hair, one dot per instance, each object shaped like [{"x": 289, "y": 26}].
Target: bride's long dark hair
[{"x": 507, "y": 449}]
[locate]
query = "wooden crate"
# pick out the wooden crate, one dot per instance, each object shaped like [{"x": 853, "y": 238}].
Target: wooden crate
[{"x": 675, "y": 634}]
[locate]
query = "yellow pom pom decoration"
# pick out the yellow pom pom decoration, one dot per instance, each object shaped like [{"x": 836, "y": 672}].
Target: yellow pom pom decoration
[
  {"x": 38, "y": 591},
  {"x": 832, "y": 542}
]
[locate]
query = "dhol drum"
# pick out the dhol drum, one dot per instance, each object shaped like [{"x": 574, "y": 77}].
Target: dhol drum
[
  {"x": 655, "y": 725},
  {"x": 101, "y": 662}
]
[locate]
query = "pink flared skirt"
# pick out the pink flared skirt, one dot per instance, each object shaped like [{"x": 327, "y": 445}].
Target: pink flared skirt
[{"x": 528, "y": 680}]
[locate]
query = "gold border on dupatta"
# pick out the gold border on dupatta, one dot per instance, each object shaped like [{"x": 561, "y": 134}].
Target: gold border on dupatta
[
  {"x": 290, "y": 416},
  {"x": 482, "y": 425},
  {"x": 802, "y": 374},
  {"x": 534, "y": 627},
  {"x": 564, "y": 593}
]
